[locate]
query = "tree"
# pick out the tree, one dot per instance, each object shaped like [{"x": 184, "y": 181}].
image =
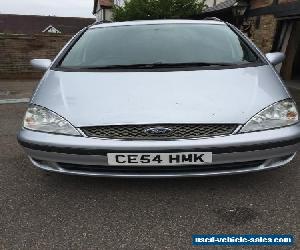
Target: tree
[{"x": 157, "y": 9}]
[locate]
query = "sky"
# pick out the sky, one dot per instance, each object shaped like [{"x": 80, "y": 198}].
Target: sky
[{"x": 76, "y": 8}]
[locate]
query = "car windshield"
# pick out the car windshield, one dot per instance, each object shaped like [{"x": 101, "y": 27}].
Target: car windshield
[{"x": 158, "y": 44}]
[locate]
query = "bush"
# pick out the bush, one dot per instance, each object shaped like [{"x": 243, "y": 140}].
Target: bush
[{"x": 157, "y": 9}]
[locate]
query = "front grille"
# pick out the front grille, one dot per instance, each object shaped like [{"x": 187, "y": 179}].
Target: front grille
[
  {"x": 161, "y": 169},
  {"x": 172, "y": 131}
]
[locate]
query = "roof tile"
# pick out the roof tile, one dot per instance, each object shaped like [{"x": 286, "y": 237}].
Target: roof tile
[
  {"x": 224, "y": 5},
  {"x": 29, "y": 24}
]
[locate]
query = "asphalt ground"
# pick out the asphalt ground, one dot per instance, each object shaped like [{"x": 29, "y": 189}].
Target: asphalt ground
[{"x": 40, "y": 210}]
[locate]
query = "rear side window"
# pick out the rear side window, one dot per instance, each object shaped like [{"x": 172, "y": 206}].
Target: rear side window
[{"x": 159, "y": 43}]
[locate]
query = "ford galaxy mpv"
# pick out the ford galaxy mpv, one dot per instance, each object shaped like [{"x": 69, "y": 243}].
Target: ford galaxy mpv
[{"x": 164, "y": 98}]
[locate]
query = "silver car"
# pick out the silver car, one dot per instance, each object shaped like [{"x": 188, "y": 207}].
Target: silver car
[{"x": 164, "y": 98}]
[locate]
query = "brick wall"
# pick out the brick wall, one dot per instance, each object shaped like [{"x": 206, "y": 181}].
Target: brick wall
[
  {"x": 263, "y": 31},
  {"x": 16, "y": 51},
  {"x": 263, "y": 28}
]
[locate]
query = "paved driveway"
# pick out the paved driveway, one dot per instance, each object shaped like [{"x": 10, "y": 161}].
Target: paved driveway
[{"x": 48, "y": 211}]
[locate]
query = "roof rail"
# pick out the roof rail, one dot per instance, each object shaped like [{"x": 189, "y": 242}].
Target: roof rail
[
  {"x": 213, "y": 19},
  {"x": 100, "y": 22}
]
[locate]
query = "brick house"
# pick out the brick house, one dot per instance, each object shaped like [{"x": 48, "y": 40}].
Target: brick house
[
  {"x": 32, "y": 24},
  {"x": 103, "y": 10},
  {"x": 274, "y": 25},
  {"x": 23, "y": 38}
]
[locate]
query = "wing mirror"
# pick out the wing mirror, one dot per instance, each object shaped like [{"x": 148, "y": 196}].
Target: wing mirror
[
  {"x": 42, "y": 64},
  {"x": 275, "y": 57}
]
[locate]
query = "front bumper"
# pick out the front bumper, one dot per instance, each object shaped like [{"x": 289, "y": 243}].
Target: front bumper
[{"x": 239, "y": 153}]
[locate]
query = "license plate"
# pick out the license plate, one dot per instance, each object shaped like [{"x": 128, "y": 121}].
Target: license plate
[{"x": 163, "y": 159}]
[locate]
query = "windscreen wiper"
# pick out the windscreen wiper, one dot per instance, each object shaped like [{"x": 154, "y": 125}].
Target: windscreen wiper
[{"x": 159, "y": 65}]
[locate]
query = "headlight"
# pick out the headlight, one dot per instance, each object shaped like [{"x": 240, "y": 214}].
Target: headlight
[
  {"x": 44, "y": 120},
  {"x": 277, "y": 115}
]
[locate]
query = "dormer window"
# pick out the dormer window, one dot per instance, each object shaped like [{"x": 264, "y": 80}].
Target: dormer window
[{"x": 51, "y": 29}]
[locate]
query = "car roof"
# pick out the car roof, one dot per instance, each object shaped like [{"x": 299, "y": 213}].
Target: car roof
[{"x": 151, "y": 22}]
